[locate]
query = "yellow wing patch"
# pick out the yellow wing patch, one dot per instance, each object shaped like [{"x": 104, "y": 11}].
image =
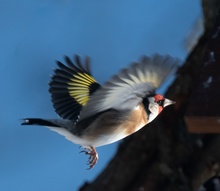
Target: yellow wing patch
[{"x": 79, "y": 87}]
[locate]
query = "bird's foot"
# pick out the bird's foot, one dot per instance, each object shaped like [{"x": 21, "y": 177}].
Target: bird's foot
[{"x": 93, "y": 156}]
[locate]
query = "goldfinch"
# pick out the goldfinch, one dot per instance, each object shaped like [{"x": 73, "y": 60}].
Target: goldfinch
[{"x": 93, "y": 115}]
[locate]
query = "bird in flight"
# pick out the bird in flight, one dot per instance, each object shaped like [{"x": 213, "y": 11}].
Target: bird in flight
[{"x": 93, "y": 115}]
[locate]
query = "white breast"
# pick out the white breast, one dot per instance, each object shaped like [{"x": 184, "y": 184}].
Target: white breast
[{"x": 85, "y": 142}]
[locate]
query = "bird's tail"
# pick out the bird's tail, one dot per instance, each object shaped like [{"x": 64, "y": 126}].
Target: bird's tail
[
  {"x": 38, "y": 121},
  {"x": 50, "y": 123},
  {"x": 62, "y": 126}
]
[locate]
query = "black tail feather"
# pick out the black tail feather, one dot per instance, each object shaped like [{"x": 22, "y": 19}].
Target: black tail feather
[{"x": 38, "y": 121}]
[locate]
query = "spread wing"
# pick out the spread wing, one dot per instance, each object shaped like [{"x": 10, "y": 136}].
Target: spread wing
[
  {"x": 126, "y": 90},
  {"x": 71, "y": 87}
]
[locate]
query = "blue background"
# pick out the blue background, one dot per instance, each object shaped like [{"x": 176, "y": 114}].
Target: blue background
[{"x": 34, "y": 33}]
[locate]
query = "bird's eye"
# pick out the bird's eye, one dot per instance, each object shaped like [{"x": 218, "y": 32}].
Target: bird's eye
[{"x": 160, "y": 102}]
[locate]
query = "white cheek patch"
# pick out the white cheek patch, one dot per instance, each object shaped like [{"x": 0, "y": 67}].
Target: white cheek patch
[{"x": 154, "y": 109}]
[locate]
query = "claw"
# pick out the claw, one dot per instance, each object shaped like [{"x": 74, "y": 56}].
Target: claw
[
  {"x": 93, "y": 156},
  {"x": 86, "y": 152}
]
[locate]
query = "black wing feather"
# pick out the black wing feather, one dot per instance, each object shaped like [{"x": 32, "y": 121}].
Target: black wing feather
[{"x": 71, "y": 87}]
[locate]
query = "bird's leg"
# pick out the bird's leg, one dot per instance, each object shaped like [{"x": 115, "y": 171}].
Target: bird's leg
[{"x": 93, "y": 156}]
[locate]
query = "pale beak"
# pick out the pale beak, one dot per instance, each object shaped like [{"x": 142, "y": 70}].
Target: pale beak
[{"x": 168, "y": 102}]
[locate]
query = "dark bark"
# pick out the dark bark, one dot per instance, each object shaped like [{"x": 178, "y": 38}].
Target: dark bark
[{"x": 163, "y": 155}]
